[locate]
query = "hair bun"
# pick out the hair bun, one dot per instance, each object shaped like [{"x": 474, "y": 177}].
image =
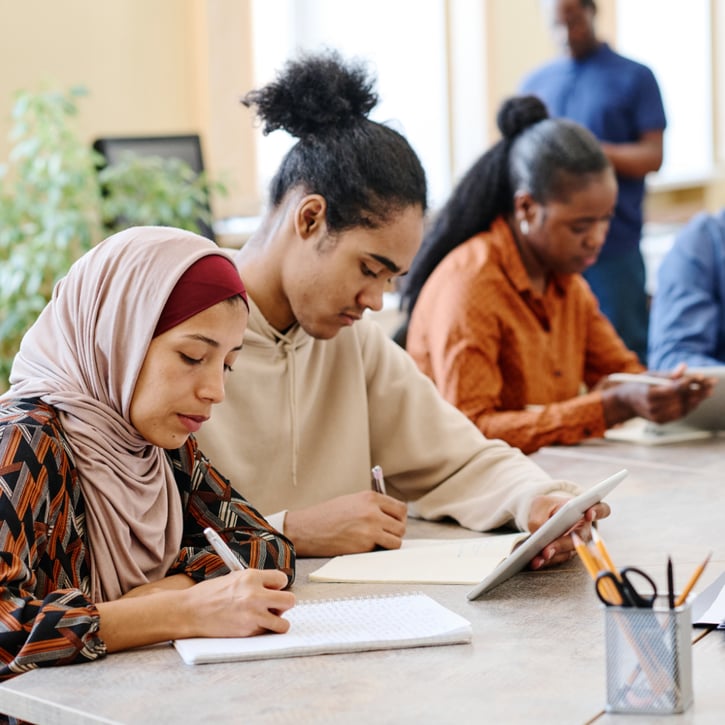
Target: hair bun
[
  {"x": 315, "y": 94},
  {"x": 518, "y": 113}
]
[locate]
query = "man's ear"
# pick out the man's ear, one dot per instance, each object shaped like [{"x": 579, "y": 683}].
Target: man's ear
[{"x": 310, "y": 216}]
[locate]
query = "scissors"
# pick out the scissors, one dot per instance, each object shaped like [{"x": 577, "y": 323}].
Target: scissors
[{"x": 634, "y": 587}]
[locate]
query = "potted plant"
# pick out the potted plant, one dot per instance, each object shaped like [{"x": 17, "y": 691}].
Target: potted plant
[
  {"x": 154, "y": 190},
  {"x": 49, "y": 210},
  {"x": 55, "y": 205}
]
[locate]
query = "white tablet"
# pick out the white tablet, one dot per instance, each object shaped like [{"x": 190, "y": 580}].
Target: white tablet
[
  {"x": 710, "y": 414},
  {"x": 563, "y": 520},
  {"x": 702, "y": 422}
]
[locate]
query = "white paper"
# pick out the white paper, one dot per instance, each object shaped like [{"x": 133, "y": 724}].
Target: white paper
[
  {"x": 716, "y": 613},
  {"x": 340, "y": 625},
  {"x": 428, "y": 561}
]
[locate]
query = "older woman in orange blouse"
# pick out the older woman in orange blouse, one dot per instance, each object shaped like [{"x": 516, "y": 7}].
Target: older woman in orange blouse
[{"x": 501, "y": 318}]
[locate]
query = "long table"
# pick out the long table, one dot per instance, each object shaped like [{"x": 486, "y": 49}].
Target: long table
[{"x": 537, "y": 653}]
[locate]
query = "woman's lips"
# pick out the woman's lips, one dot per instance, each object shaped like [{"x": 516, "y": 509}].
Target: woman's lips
[{"x": 192, "y": 422}]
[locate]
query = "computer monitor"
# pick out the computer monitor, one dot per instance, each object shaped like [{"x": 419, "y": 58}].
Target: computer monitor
[{"x": 186, "y": 147}]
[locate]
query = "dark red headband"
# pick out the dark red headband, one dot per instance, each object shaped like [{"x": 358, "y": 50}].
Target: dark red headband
[{"x": 209, "y": 280}]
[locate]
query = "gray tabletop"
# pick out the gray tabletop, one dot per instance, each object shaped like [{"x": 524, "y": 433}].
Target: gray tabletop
[{"x": 537, "y": 653}]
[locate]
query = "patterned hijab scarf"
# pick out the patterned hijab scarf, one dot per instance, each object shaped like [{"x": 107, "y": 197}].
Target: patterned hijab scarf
[{"x": 83, "y": 356}]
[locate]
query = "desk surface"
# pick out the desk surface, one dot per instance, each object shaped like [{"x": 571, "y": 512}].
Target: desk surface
[{"x": 537, "y": 653}]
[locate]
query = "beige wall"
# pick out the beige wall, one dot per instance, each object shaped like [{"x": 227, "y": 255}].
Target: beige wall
[
  {"x": 151, "y": 67},
  {"x": 178, "y": 66},
  {"x": 133, "y": 56},
  {"x": 225, "y": 73},
  {"x": 518, "y": 40}
]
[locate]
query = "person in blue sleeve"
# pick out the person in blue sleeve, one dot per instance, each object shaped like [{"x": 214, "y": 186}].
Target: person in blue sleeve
[
  {"x": 688, "y": 308},
  {"x": 619, "y": 101}
]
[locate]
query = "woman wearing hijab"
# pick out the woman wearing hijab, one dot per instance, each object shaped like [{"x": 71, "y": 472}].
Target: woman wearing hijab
[{"x": 104, "y": 494}]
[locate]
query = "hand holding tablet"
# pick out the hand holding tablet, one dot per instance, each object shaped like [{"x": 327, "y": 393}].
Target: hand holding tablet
[{"x": 563, "y": 520}]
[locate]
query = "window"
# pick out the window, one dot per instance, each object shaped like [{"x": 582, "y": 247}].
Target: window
[
  {"x": 406, "y": 51},
  {"x": 679, "y": 52}
]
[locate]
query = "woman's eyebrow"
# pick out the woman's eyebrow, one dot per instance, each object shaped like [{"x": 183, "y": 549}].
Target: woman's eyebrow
[
  {"x": 203, "y": 338},
  {"x": 210, "y": 341}
]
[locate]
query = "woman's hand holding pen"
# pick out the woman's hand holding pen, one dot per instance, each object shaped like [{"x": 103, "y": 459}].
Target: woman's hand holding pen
[
  {"x": 347, "y": 525},
  {"x": 562, "y": 549},
  {"x": 238, "y": 604}
]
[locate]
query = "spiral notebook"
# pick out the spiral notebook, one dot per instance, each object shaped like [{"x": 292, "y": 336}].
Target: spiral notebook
[{"x": 329, "y": 626}]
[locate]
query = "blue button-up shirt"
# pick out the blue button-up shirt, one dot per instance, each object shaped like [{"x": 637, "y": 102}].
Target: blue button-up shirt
[
  {"x": 618, "y": 100},
  {"x": 687, "y": 319}
]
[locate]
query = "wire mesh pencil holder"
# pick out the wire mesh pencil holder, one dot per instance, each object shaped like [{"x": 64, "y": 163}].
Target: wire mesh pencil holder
[{"x": 649, "y": 658}]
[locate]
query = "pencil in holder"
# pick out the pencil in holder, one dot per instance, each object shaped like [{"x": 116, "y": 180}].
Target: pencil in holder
[{"x": 649, "y": 658}]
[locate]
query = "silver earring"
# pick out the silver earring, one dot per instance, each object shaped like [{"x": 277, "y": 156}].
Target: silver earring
[{"x": 524, "y": 226}]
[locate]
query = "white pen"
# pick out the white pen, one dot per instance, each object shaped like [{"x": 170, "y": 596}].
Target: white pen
[
  {"x": 639, "y": 378},
  {"x": 648, "y": 380},
  {"x": 221, "y": 548},
  {"x": 378, "y": 480}
]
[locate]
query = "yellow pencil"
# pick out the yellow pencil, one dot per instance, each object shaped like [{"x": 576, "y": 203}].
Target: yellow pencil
[
  {"x": 693, "y": 580},
  {"x": 591, "y": 565},
  {"x": 585, "y": 555},
  {"x": 599, "y": 543}
]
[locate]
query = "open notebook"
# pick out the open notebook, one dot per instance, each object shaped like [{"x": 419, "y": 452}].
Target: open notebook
[
  {"x": 708, "y": 608},
  {"x": 703, "y": 422},
  {"x": 422, "y": 561},
  {"x": 330, "y": 626},
  {"x": 646, "y": 433}
]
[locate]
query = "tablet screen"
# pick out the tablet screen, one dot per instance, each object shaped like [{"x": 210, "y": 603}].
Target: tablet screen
[{"x": 563, "y": 520}]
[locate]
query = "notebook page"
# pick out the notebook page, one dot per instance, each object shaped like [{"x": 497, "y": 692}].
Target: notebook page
[
  {"x": 643, "y": 432},
  {"x": 708, "y": 607},
  {"x": 715, "y": 614},
  {"x": 341, "y": 625},
  {"x": 446, "y": 561}
]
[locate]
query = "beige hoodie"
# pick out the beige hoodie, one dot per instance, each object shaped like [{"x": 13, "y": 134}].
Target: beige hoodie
[{"x": 304, "y": 420}]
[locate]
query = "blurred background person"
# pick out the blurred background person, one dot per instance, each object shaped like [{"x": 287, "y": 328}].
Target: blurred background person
[
  {"x": 501, "y": 318},
  {"x": 619, "y": 101},
  {"x": 688, "y": 307}
]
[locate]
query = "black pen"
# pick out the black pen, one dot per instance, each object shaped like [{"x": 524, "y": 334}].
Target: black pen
[{"x": 670, "y": 583}]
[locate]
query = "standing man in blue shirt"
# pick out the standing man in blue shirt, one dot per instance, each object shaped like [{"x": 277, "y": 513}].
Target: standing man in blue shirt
[{"x": 619, "y": 101}]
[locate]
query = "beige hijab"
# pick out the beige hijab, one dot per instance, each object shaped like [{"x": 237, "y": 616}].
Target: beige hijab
[{"x": 83, "y": 356}]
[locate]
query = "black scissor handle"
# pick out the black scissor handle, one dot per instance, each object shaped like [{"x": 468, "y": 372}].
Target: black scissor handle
[
  {"x": 640, "y": 596},
  {"x": 608, "y": 588},
  {"x": 622, "y": 589}
]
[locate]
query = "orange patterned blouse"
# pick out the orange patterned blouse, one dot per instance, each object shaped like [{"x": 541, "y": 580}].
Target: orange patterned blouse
[
  {"x": 515, "y": 361},
  {"x": 46, "y": 616}
]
